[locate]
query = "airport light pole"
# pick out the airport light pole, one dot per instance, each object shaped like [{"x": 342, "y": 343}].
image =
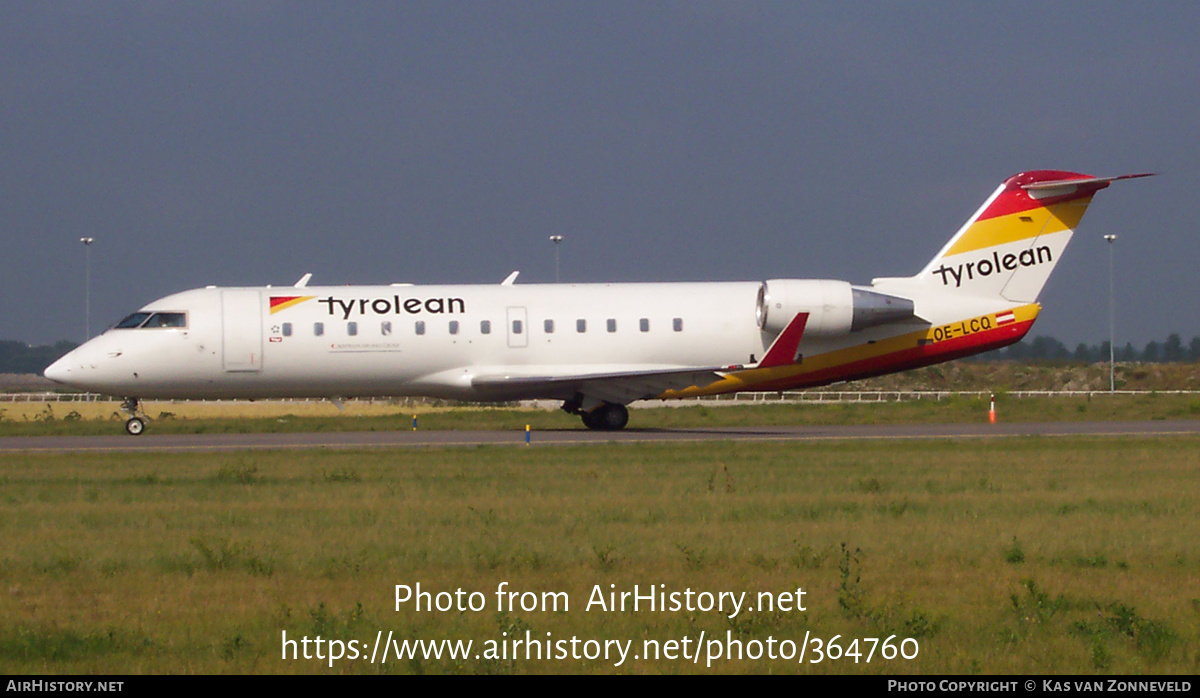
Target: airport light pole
[
  {"x": 87, "y": 287},
  {"x": 556, "y": 239},
  {"x": 1112, "y": 371}
]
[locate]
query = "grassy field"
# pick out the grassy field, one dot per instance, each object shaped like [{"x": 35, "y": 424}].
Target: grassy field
[
  {"x": 42, "y": 418},
  {"x": 1062, "y": 555}
]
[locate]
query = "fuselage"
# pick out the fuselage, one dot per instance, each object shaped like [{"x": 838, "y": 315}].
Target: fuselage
[{"x": 353, "y": 341}]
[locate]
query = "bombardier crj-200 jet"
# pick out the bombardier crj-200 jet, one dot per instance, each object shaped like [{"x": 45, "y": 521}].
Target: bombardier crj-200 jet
[{"x": 595, "y": 347}]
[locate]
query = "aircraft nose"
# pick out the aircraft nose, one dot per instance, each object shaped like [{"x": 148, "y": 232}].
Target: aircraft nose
[{"x": 59, "y": 371}]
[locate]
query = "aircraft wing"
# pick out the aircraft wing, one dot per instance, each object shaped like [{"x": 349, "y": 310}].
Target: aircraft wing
[
  {"x": 625, "y": 386},
  {"x": 621, "y": 387}
]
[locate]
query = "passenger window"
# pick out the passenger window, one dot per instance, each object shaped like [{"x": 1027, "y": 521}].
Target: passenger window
[
  {"x": 485, "y": 327},
  {"x": 612, "y": 324},
  {"x": 352, "y": 328},
  {"x": 677, "y": 324},
  {"x": 581, "y": 326},
  {"x": 287, "y": 329},
  {"x": 318, "y": 329},
  {"x": 385, "y": 328},
  {"x": 548, "y": 326},
  {"x": 518, "y": 327},
  {"x": 420, "y": 327},
  {"x": 454, "y": 327},
  {"x": 644, "y": 324}
]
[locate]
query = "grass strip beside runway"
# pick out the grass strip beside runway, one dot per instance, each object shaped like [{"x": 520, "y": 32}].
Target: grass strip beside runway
[
  {"x": 80, "y": 419},
  {"x": 1074, "y": 555}
]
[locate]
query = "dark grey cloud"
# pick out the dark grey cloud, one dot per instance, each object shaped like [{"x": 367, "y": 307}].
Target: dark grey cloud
[{"x": 248, "y": 143}]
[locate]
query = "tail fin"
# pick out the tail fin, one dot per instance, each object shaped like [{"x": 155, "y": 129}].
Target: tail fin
[{"x": 1011, "y": 244}]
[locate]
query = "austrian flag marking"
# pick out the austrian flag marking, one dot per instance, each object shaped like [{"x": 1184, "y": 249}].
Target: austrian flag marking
[
  {"x": 284, "y": 302},
  {"x": 1006, "y": 318}
]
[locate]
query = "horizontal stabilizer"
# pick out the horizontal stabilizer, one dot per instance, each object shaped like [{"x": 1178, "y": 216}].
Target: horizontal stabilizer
[{"x": 1062, "y": 183}]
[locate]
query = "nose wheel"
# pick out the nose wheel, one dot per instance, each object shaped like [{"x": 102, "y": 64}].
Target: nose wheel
[{"x": 135, "y": 425}]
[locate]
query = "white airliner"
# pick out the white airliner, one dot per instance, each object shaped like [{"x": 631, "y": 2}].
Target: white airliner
[{"x": 596, "y": 347}]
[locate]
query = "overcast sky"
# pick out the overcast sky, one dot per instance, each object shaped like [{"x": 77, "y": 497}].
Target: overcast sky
[{"x": 373, "y": 142}]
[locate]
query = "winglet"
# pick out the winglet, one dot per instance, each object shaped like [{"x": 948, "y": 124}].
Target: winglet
[{"x": 784, "y": 350}]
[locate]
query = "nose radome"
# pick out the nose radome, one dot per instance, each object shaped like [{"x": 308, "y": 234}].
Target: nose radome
[{"x": 59, "y": 371}]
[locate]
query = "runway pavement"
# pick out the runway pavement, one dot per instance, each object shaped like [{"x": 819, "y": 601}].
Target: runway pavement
[{"x": 409, "y": 439}]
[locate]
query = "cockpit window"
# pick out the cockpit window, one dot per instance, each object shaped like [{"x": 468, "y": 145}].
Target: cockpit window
[
  {"x": 153, "y": 320},
  {"x": 131, "y": 321},
  {"x": 167, "y": 320}
]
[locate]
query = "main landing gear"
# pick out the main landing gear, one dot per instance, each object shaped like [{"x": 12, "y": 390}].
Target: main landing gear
[
  {"x": 607, "y": 416},
  {"x": 135, "y": 425}
]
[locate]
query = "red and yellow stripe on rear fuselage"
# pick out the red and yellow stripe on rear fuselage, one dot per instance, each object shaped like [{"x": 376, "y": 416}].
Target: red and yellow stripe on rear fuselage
[{"x": 902, "y": 352}]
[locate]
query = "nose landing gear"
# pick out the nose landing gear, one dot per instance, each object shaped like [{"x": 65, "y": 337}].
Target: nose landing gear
[{"x": 135, "y": 425}]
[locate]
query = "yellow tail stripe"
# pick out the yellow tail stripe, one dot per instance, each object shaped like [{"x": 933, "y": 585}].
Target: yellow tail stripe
[{"x": 1021, "y": 226}]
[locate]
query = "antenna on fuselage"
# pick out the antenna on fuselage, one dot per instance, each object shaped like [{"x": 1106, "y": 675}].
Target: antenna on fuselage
[{"x": 303, "y": 281}]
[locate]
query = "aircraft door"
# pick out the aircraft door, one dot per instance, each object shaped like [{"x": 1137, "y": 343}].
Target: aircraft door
[
  {"x": 241, "y": 329},
  {"x": 518, "y": 328}
]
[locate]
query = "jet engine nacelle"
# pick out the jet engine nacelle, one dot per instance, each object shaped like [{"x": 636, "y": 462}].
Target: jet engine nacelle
[{"x": 833, "y": 307}]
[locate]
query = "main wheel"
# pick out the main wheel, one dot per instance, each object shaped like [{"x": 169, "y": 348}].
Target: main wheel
[
  {"x": 616, "y": 417},
  {"x": 135, "y": 426},
  {"x": 610, "y": 417}
]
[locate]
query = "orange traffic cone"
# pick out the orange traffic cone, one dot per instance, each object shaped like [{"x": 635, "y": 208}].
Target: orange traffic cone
[{"x": 992, "y": 411}]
